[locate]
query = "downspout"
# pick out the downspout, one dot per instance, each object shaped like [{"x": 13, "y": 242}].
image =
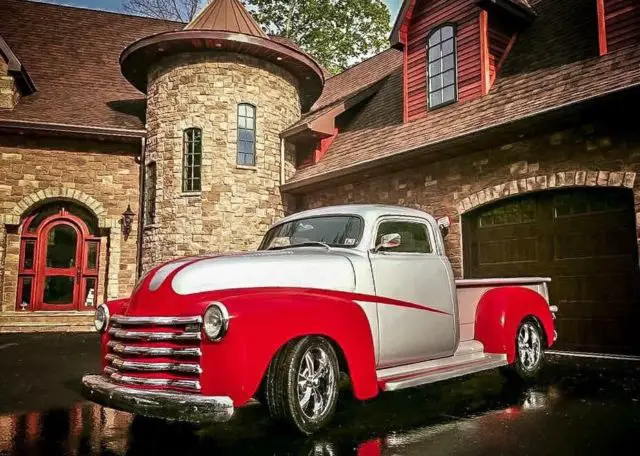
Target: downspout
[
  {"x": 143, "y": 159},
  {"x": 282, "y": 146}
]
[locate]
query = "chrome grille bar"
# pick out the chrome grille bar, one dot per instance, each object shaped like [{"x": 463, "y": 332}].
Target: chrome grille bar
[
  {"x": 123, "y": 349},
  {"x": 193, "y": 385},
  {"x": 160, "y": 321},
  {"x": 153, "y": 336},
  {"x": 122, "y": 364}
]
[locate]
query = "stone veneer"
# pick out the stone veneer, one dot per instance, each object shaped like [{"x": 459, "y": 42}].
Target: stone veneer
[
  {"x": 589, "y": 155},
  {"x": 9, "y": 93},
  {"x": 237, "y": 204},
  {"x": 99, "y": 175}
]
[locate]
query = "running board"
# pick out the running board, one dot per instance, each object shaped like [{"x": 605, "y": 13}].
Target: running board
[{"x": 442, "y": 372}]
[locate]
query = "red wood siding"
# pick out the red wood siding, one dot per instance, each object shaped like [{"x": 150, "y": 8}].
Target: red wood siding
[
  {"x": 426, "y": 15},
  {"x": 622, "y": 23},
  {"x": 499, "y": 45}
]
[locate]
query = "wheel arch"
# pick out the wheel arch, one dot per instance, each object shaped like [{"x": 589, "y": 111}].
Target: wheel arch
[{"x": 500, "y": 312}]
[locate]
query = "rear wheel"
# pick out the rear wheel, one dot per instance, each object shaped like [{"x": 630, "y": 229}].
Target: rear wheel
[
  {"x": 529, "y": 352},
  {"x": 302, "y": 384}
]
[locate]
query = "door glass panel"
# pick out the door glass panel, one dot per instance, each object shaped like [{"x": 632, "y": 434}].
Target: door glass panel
[
  {"x": 90, "y": 291},
  {"x": 58, "y": 290},
  {"x": 29, "y": 250},
  {"x": 414, "y": 237},
  {"x": 25, "y": 293},
  {"x": 61, "y": 247},
  {"x": 92, "y": 255}
]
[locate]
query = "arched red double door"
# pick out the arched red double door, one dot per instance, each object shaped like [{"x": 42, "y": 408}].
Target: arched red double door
[{"x": 59, "y": 255}]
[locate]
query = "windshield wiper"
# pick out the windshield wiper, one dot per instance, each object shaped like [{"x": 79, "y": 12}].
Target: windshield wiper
[{"x": 302, "y": 244}]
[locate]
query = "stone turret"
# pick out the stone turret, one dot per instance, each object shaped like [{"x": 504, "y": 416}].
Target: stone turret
[{"x": 219, "y": 93}]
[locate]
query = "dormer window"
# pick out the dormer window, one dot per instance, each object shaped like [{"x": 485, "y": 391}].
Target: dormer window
[{"x": 441, "y": 72}]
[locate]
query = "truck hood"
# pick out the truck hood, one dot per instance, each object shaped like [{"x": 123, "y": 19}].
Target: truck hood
[{"x": 301, "y": 267}]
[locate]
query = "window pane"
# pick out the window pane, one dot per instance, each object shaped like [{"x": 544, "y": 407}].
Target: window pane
[
  {"x": 448, "y": 78},
  {"x": 435, "y": 38},
  {"x": 90, "y": 291},
  {"x": 434, "y": 52},
  {"x": 29, "y": 251},
  {"x": 435, "y": 98},
  {"x": 447, "y": 47},
  {"x": 58, "y": 290},
  {"x": 448, "y": 94},
  {"x": 250, "y": 123},
  {"x": 242, "y": 122},
  {"x": 92, "y": 255},
  {"x": 25, "y": 292},
  {"x": 434, "y": 68},
  {"x": 435, "y": 83},
  {"x": 250, "y": 111},
  {"x": 447, "y": 63},
  {"x": 414, "y": 237},
  {"x": 242, "y": 110},
  {"x": 61, "y": 247},
  {"x": 447, "y": 32}
]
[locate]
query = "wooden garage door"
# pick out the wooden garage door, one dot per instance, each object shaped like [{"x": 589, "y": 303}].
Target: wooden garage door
[{"x": 585, "y": 240}]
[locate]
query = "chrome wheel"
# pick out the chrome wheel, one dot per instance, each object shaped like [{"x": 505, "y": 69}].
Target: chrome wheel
[
  {"x": 316, "y": 383},
  {"x": 529, "y": 346}
]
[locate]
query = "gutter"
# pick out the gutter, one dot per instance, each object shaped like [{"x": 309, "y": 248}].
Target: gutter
[
  {"x": 375, "y": 162},
  {"x": 72, "y": 129}
]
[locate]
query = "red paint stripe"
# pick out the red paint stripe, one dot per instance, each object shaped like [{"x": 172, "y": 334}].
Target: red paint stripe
[{"x": 388, "y": 301}]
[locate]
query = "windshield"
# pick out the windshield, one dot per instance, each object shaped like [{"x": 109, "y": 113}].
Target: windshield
[{"x": 334, "y": 231}]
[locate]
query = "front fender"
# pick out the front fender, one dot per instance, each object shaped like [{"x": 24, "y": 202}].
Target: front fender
[
  {"x": 499, "y": 314},
  {"x": 261, "y": 323}
]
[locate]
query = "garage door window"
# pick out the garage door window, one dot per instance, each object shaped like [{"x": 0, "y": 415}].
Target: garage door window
[
  {"x": 569, "y": 205},
  {"x": 512, "y": 213},
  {"x": 414, "y": 237}
]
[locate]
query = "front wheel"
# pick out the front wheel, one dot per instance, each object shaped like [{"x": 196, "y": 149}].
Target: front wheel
[
  {"x": 529, "y": 352},
  {"x": 302, "y": 384}
]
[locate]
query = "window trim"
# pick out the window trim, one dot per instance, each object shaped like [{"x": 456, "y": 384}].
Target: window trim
[
  {"x": 184, "y": 163},
  {"x": 454, "y": 26},
  {"x": 254, "y": 130},
  {"x": 436, "y": 249}
]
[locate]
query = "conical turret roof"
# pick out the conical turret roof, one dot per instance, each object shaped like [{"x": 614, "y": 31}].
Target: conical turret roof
[{"x": 227, "y": 16}]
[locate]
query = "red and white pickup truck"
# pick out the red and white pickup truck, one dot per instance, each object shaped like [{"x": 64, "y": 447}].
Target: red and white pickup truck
[{"x": 364, "y": 289}]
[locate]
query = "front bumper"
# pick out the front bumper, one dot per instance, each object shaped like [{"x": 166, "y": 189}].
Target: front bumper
[{"x": 157, "y": 404}]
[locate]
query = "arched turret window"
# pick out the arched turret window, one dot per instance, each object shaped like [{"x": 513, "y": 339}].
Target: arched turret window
[
  {"x": 192, "y": 160},
  {"x": 246, "y": 134},
  {"x": 441, "y": 71}
]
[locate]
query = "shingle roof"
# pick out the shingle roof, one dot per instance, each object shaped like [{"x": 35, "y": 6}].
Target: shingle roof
[
  {"x": 72, "y": 56},
  {"x": 552, "y": 64}
]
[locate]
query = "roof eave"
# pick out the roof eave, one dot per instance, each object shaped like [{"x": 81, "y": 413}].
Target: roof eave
[{"x": 121, "y": 134}]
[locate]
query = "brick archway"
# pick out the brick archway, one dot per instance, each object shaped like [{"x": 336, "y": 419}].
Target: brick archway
[
  {"x": 10, "y": 251},
  {"x": 573, "y": 178}
]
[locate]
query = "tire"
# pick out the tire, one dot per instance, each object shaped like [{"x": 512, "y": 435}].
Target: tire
[
  {"x": 302, "y": 384},
  {"x": 529, "y": 344}
]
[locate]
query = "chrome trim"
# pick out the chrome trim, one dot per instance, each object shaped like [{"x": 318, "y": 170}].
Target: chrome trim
[
  {"x": 225, "y": 321},
  {"x": 159, "y": 404},
  {"x": 193, "y": 385},
  {"x": 153, "y": 336},
  {"x": 123, "y": 349},
  {"x": 553, "y": 309},
  {"x": 120, "y": 363},
  {"x": 161, "y": 321}
]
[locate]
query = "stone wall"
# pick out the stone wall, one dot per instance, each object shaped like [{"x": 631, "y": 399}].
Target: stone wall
[
  {"x": 237, "y": 203},
  {"x": 100, "y": 176},
  {"x": 9, "y": 93},
  {"x": 589, "y": 155}
]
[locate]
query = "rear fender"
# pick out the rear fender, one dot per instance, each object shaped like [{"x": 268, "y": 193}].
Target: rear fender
[
  {"x": 500, "y": 312},
  {"x": 262, "y": 323}
]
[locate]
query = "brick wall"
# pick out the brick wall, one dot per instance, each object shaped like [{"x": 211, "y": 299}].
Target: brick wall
[
  {"x": 588, "y": 155},
  {"x": 237, "y": 203},
  {"x": 101, "y": 176}
]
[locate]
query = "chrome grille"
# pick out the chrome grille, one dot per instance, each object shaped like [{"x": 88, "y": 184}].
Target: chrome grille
[{"x": 155, "y": 352}]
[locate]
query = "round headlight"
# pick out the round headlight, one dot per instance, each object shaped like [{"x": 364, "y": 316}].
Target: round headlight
[
  {"x": 101, "y": 320},
  {"x": 216, "y": 321}
]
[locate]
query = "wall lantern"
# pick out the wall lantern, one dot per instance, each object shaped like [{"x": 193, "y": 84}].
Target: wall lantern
[{"x": 127, "y": 222}]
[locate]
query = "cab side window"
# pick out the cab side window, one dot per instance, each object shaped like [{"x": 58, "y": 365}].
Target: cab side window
[{"x": 414, "y": 237}]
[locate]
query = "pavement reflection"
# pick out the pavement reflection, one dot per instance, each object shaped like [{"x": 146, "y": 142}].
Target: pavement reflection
[{"x": 571, "y": 413}]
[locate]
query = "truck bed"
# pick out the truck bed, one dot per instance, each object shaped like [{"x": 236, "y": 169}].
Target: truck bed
[{"x": 470, "y": 291}]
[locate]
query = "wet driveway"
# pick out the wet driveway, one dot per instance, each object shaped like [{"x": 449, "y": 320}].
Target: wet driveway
[{"x": 580, "y": 406}]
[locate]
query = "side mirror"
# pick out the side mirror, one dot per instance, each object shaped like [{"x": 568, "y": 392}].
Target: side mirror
[
  {"x": 444, "y": 223},
  {"x": 388, "y": 241}
]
